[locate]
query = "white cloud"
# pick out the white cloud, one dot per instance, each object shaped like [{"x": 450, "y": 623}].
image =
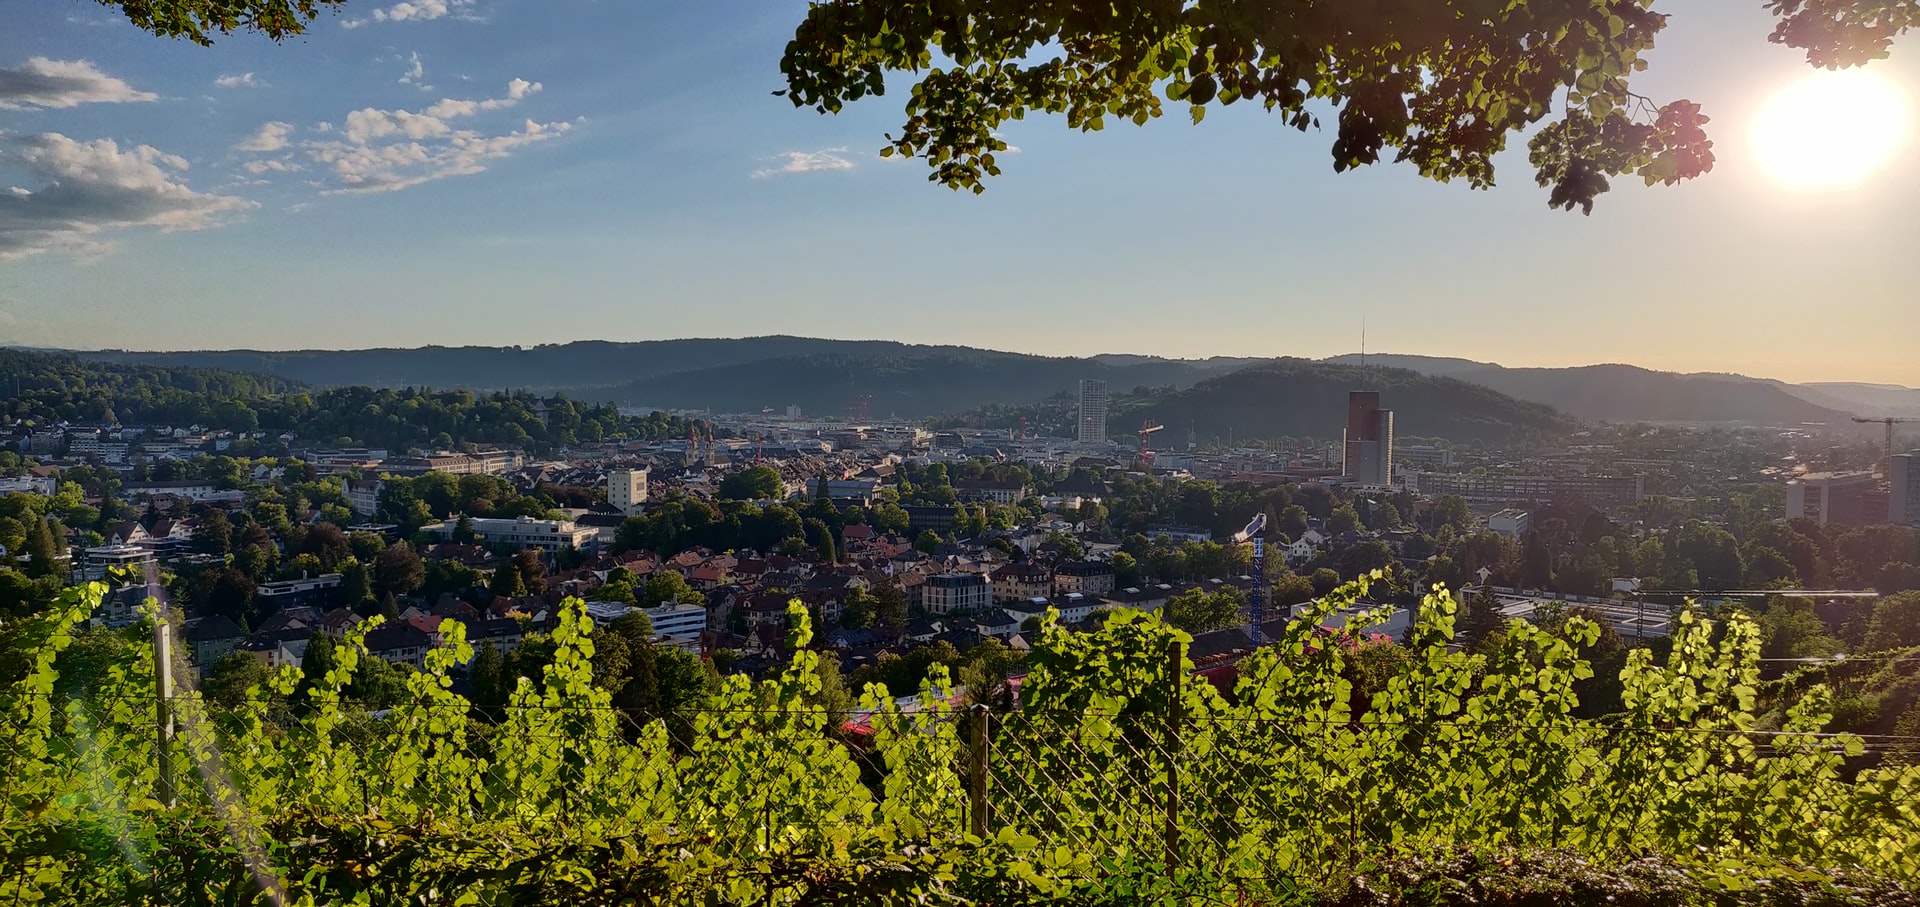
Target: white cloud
[
  {"x": 1011, "y": 147},
  {"x": 417, "y": 10},
  {"x": 236, "y": 80},
  {"x": 416, "y": 72},
  {"x": 384, "y": 150},
  {"x": 807, "y": 162},
  {"x": 270, "y": 137},
  {"x": 41, "y": 82},
  {"x": 94, "y": 186}
]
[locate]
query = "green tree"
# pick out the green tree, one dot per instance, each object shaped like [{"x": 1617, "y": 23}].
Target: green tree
[
  {"x": 506, "y": 582},
  {"x": 463, "y": 531},
  {"x": 665, "y": 586},
  {"x": 890, "y": 606},
  {"x": 232, "y": 676},
  {"x": 1199, "y": 610},
  {"x": 1344, "y": 519},
  {"x": 486, "y": 676},
  {"x": 1398, "y": 85},
  {"x": 398, "y": 570},
  {"x": 1895, "y": 622},
  {"x": 1126, "y": 571},
  {"x": 1325, "y": 580},
  {"x": 758, "y": 483},
  {"x": 1293, "y": 521},
  {"x": 927, "y": 542},
  {"x": 356, "y": 584},
  {"x": 43, "y": 555}
]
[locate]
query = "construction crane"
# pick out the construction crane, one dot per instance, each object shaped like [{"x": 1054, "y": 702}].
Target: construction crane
[
  {"x": 1147, "y": 429},
  {"x": 1256, "y": 532},
  {"x": 1886, "y": 454}
]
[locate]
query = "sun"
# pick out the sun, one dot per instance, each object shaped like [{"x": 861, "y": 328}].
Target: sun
[{"x": 1832, "y": 129}]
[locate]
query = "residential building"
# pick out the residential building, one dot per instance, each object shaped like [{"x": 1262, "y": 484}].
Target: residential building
[
  {"x": 1180, "y": 533},
  {"x": 211, "y": 638},
  {"x": 1021, "y": 582},
  {"x": 973, "y": 491},
  {"x": 287, "y": 593},
  {"x": 192, "y": 491},
  {"x": 678, "y": 620},
  {"x": 96, "y": 562},
  {"x": 1368, "y": 440},
  {"x": 1903, "y": 504},
  {"x": 45, "y": 486},
  {"x": 521, "y": 532},
  {"x": 1512, "y": 523},
  {"x": 855, "y": 491},
  {"x": 363, "y": 495},
  {"x": 957, "y": 593},
  {"x": 399, "y": 643},
  {"x": 627, "y": 489},
  {"x": 1151, "y": 598},
  {"x": 1093, "y": 411},
  {"x": 1091, "y": 578},
  {"x": 1836, "y": 498}
]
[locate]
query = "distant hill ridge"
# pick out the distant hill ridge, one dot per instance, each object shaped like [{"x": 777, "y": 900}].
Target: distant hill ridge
[{"x": 826, "y": 376}]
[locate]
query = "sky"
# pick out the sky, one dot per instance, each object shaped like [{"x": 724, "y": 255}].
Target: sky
[{"x": 517, "y": 172}]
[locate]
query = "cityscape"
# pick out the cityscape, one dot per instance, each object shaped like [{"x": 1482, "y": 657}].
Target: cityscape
[{"x": 1414, "y": 453}]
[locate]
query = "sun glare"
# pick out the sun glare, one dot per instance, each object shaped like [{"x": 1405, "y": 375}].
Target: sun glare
[{"x": 1832, "y": 129}]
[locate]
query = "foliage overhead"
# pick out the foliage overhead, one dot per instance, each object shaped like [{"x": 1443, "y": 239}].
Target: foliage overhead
[
  {"x": 199, "y": 20},
  {"x": 1439, "y": 84}
]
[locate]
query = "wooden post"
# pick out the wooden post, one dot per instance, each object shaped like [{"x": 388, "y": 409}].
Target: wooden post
[
  {"x": 163, "y": 708},
  {"x": 977, "y": 772},
  {"x": 1175, "y": 678}
]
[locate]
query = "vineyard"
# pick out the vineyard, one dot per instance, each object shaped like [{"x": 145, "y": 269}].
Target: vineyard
[{"x": 1118, "y": 779}]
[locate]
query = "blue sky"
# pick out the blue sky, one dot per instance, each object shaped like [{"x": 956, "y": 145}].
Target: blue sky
[{"x": 620, "y": 170}]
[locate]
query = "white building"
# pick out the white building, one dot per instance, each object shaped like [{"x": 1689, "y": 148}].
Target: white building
[
  {"x": 98, "y": 561},
  {"x": 678, "y": 620},
  {"x": 45, "y": 486},
  {"x": 363, "y": 495},
  {"x": 1512, "y": 523},
  {"x": 627, "y": 489},
  {"x": 520, "y": 533}
]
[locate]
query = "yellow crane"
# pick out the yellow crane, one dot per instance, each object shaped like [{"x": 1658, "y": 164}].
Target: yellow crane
[{"x": 1886, "y": 455}]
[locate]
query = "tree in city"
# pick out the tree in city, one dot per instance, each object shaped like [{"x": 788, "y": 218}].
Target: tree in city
[
  {"x": 1345, "y": 519},
  {"x": 890, "y": 606},
  {"x": 398, "y": 570},
  {"x": 758, "y": 483},
  {"x": 926, "y": 542},
  {"x": 231, "y": 677},
  {"x": 43, "y": 554},
  {"x": 506, "y": 581},
  {"x": 533, "y": 570},
  {"x": 668, "y": 587},
  {"x": 356, "y": 584},
  {"x": 1200, "y": 610},
  {"x": 1895, "y": 622}
]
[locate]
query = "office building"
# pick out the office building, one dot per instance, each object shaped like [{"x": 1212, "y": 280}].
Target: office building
[
  {"x": 1367, "y": 451},
  {"x": 1093, "y": 411},
  {"x": 1903, "y": 505},
  {"x": 627, "y": 490},
  {"x": 520, "y": 533},
  {"x": 1836, "y": 498},
  {"x": 1607, "y": 493}
]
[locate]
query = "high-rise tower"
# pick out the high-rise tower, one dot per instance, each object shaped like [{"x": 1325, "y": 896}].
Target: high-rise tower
[
  {"x": 1093, "y": 411},
  {"x": 1367, "y": 448}
]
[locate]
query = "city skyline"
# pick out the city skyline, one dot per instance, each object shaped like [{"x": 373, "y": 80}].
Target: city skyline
[{"x": 612, "y": 182}]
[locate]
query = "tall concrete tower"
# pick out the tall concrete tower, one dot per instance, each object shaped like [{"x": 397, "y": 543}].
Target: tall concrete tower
[
  {"x": 1093, "y": 411},
  {"x": 1367, "y": 448}
]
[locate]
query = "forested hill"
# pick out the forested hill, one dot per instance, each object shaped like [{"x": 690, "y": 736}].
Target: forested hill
[
  {"x": 45, "y": 388},
  {"x": 1304, "y": 399},
  {"x": 724, "y": 374},
  {"x": 57, "y": 388},
  {"x": 1628, "y": 393}
]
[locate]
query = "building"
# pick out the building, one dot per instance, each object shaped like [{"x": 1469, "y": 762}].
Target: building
[
  {"x": 1422, "y": 456},
  {"x": 1021, "y": 583},
  {"x": 1367, "y": 452},
  {"x": 957, "y": 593},
  {"x": 45, "y": 486},
  {"x": 974, "y": 491},
  {"x": 1512, "y": 523},
  {"x": 1093, "y": 411},
  {"x": 1605, "y": 493},
  {"x": 1836, "y": 498},
  {"x": 306, "y": 590},
  {"x": 678, "y": 620},
  {"x": 627, "y": 490},
  {"x": 929, "y": 519},
  {"x": 1903, "y": 503},
  {"x": 96, "y": 562},
  {"x": 363, "y": 495},
  {"x": 1090, "y": 578},
  {"x": 521, "y": 533}
]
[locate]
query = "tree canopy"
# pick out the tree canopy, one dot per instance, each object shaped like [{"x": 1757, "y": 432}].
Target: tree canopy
[
  {"x": 1439, "y": 84},
  {"x": 199, "y": 20}
]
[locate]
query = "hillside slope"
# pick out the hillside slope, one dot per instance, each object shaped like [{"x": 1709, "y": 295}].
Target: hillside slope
[
  {"x": 1302, "y": 398},
  {"x": 1628, "y": 393}
]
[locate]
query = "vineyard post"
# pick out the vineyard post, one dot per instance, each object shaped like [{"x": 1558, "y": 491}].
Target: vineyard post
[
  {"x": 1174, "y": 691},
  {"x": 163, "y": 707},
  {"x": 977, "y": 771}
]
